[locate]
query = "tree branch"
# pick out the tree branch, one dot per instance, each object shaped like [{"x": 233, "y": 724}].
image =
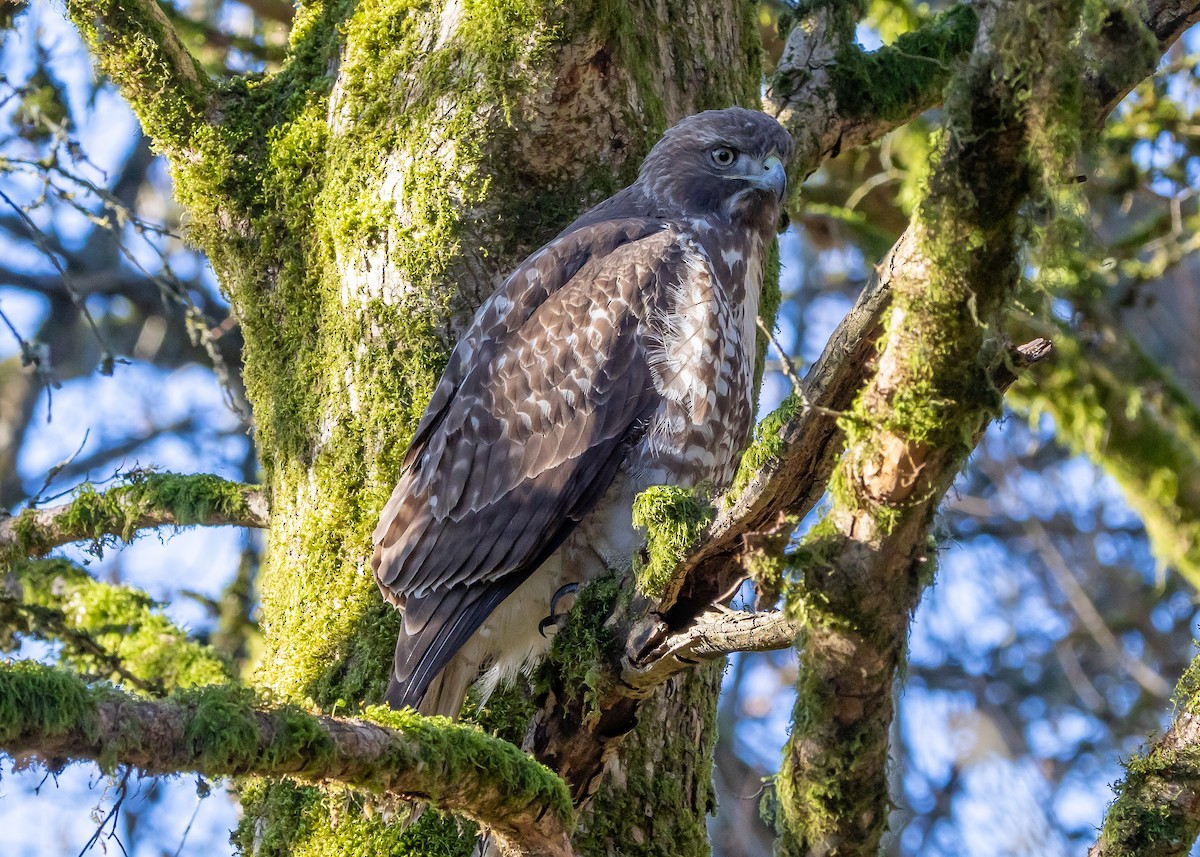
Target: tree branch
[
  {"x": 1157, "y": 810},
  {"x": 1126, "y": 50},
  {"x": 833, "y": 96},
  {"x": 146, "y": 500},
  {"x": 224, "y": 731},
  {"x": 714, "y": 635},
  {"x": 864, "y": 566},
  {"x": 140, "y": 50}
]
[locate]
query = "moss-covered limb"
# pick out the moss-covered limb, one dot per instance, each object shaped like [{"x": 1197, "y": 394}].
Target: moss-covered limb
[
  {"x": 225, "y": 731},
  {"x": 1157, "y": 809},
  {"x": 110, "y": 631},
  {"x": 1113, "y": 403},
  {"x": 138, "y": 48},
  {"x": 833, "y": 96},
  {"x": 673, "y": 519},
  {"x": 1125, "y": 47},
  {"x": 141, "y": 501},
  {"x": 863, "y": 567}
]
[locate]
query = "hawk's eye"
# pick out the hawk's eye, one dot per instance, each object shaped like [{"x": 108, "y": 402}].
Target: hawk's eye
[{"x": 722, "y": 156}]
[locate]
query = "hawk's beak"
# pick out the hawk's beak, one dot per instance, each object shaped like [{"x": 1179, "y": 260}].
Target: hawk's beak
[{"x": 773, "y": 178}]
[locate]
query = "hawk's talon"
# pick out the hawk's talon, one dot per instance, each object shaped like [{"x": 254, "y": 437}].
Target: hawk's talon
[
  {"x": 563, "y": 591},
  {"x": 555, "y": 618}
]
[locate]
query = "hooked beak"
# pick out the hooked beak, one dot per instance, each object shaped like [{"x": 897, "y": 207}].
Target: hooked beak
[{"x": 773, "y": 178}]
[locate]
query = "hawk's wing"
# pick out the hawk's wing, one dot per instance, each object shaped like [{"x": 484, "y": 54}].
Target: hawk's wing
[{"x": 542, "y": 400}]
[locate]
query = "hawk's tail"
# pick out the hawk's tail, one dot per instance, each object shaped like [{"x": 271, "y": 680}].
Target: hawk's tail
[
  {"x": 429, "y": 673},
  {"x": 444, "y": 695}
]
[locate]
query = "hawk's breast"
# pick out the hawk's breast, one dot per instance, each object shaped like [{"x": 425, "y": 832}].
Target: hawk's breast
[{"x": 700, "y": 331}]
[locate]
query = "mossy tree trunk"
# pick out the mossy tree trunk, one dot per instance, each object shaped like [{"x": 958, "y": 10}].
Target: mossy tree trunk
[{"x": 357, "y": 206}]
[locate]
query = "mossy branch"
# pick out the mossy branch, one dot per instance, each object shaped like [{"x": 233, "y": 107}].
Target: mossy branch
[
  {"x": 833, "y": 96},
  {"x": 1126, "y": 48},
  {"x": 144, "y": 500},
  {"x": 935, "y": 388},
  {"x": 137, "y": 47},
  {"x": 1157, "y": 810},
  {"x": 224, "y": 731},
  {"x": 109, "y": 631}
]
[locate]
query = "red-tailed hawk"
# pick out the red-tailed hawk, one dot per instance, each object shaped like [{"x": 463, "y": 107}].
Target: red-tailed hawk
[{"x": 618, "y": 356}]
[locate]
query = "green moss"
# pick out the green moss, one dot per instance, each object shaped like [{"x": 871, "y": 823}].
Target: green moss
[
  {"x": 767, "y": 446},
  {"x": 674, "y": 519},
  {"x": 506, "y": 715},
  {"x": 101, "y": 625},
  {"x": 137, "y": 47},
  {"x": 585, "y": 646},
  {"x": 309, "y": 822},
  {"x": 222, "y": 732},
  {"x": 462, "y": 750},
  {"x": 1148, "y": 816},
  {"x": 846, "y": 14},
  {"x": 828, "y": 791},
  {"x": 119, "y": 511},
  {"x": 890, "y": 82},
  {"x": 656, "y": 805},
  {"x": 1187, "y": 689},
  {"x": 35, "y": 697}
]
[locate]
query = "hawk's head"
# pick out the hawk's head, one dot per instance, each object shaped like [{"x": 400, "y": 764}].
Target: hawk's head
[{"x": 728, "y": 163}]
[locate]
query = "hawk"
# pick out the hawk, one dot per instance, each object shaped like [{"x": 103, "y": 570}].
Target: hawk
[{"x": 619, "y": 356}]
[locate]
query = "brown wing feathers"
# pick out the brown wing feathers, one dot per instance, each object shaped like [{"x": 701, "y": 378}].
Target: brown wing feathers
[{"x": 516, "y": 448}]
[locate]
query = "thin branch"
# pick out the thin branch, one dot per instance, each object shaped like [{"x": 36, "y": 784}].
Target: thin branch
[
  {"x": 113, "y": 631},
  {"x": 1083, "y": 606},
  {"x": 820, "y": 88},
  {"x": 714, "y": 635},
  {"x": 146, "y": 500},
  {"x": 224, "y": 731},
  {"x": 48, "y": 623}
]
